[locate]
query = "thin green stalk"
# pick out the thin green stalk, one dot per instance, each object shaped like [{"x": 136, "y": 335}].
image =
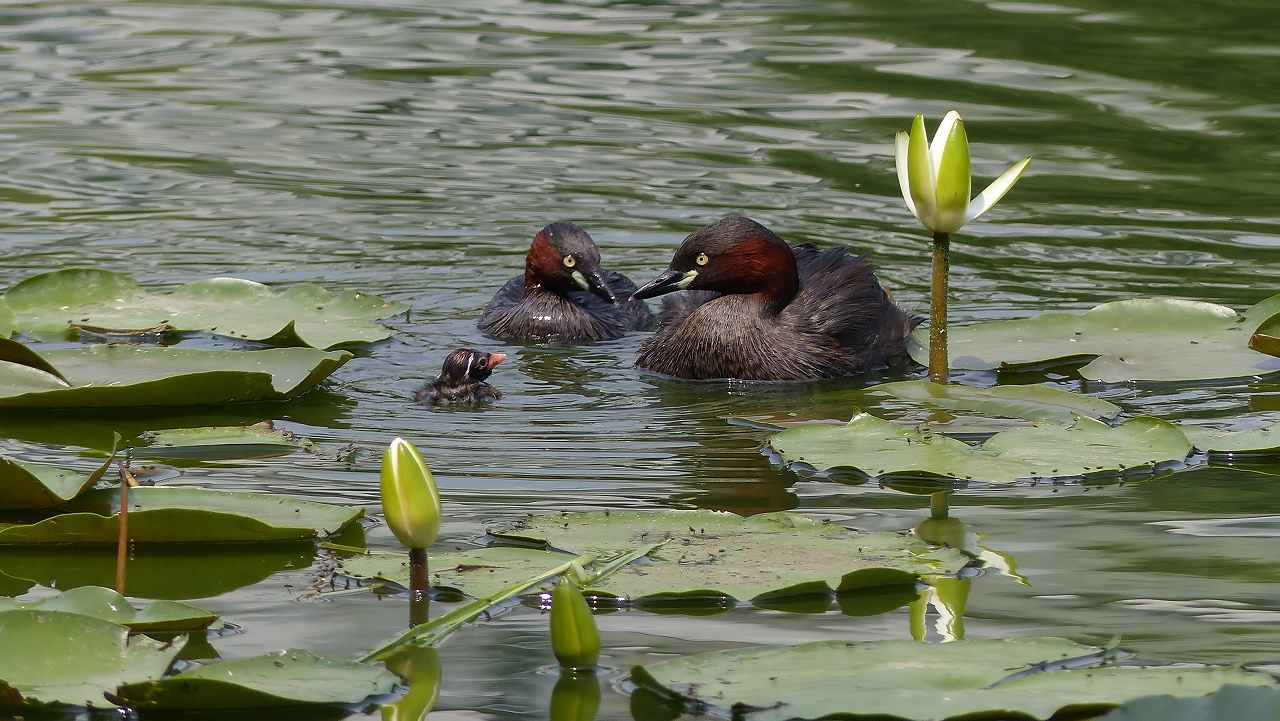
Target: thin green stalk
[
  {"x": 432, "y": 631},
  {"x": 938, "y": 309}
]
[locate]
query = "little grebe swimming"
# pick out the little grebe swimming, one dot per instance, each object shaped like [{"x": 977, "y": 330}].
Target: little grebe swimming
[
  {"x": 564, "y": 294},
  {"x": 462, "y": 379},
  {"x": 758, "y": 309}
]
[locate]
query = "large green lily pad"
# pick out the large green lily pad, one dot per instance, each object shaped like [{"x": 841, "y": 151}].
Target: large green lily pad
[
  {"x": 8, "y": 323},
  {"x": 709, "y": 553},
  {"x": 1149, "y": 339},
  {"x": 910, "y": 680},
  {"x": 1230, "y": 703},
  {"x": 51, "y": 304},
  {"x": 260, "y": 440},
  {"x": 1031, "y": 402},
  {"x": 479, "y": 573},
  {"x": 53, "y": 657},
  {"x": 879, "y": 448},
  {"x": 274, "y": 680},
  {"x": 1256, "y": 442},
  {"x": 157, "y": 570},
  {"x": 125, "y": 376},
  {"x": 183, "y": 515},
  {"x": 27, "y": 486},
  {"x": 106, "y": 604}
]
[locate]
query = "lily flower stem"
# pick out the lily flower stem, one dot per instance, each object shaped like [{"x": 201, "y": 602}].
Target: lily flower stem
[
  {"x": 938, "y": 504},
  {"x": 938, "y": 309},
  {"x": 419, "y": 601}
]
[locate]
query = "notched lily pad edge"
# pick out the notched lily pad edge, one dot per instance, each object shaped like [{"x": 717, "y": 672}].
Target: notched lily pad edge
[{"x": 922, "y": 482}]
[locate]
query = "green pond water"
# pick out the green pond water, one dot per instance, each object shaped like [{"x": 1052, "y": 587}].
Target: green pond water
[{"x": 412, "y": 149}]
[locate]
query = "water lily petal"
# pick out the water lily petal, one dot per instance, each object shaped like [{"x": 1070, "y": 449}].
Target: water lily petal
[
  {"x": 901, "y": 142},
  {"x": 995, "y": 191},
  {"x": 954, "y": 179},
  {"x": 920, "y": 173},
  {"x": 940, "y": 140}
]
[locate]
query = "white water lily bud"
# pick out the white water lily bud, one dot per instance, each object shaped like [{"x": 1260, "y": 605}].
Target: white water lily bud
[
  {"x": 936, "y": 179},
  {"x": 410, "y": 500}
]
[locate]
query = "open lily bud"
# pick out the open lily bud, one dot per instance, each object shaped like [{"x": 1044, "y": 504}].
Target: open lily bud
[
  {"x": 574, "y": 638},
  {"x": 410, "y": 500},
  {"x": 936, "y": 178}
]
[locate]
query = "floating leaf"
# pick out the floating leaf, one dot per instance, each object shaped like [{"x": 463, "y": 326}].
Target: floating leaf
[
  {"x": 910, "y": 680},
  {"x": 69, "y": 658},
  {"x": 27, "y": 486},
  {"x": 274, "y": 680},
  {"x": 1031, "y": 402},
  {"x": 712, "y": 553},
  {"x": 183, "y": 515},
  {"x": 157, "y": 570},
  {"x": 106, "y": 604},
  {"x": 305, "y": 315},
  {"x": 879, "y": 448},
  {"x": 8, "y": 323},
  {"x": 479, "y": 573},
  {"x": 260, "y": 440},
  {"x": 1266, "y": 339},
  {"x": 1151, "y": 339},
  {"x": 124, "y": 376},
  {"x": 1230, "y": 703},
  {"x": 1259, "y": 441}
]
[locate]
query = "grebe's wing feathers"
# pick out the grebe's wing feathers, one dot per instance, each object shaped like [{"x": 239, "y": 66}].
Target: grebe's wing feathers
[{"x": 841, "y": 297}]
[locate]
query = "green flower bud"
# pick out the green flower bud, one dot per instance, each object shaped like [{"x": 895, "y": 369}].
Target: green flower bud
[
  {"x": 410, "y": 500},
  {"x": 574, "y": 638}
]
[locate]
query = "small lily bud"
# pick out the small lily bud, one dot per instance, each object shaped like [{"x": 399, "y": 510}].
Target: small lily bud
[
  {"x": 410, "y": 500},
  {"x": 574, "y": 638}
]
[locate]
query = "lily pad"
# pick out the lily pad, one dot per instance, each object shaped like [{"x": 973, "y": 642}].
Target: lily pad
[
  {"x": 183, "y": 515},
  {"x": 274, "y": 680},
  {"x": 121, "y": 376},
  {"x": 106, "y": 604},
  {"x": 709, "y": 553},
  {"x": 1266, "y": 338},
  {"x": 156, "y": 570},
  {"x": 53, "y": 657},
  {"x": 1230, "y": 703},
  {"x": 478, "y": 573},
  {"x": 910, "y": 680},
  {"x": 28, "y": 486},
  {"x": 879, "y": 448},
  {"x": 260, "y": 440},
  {"x": 8, "y": 323},
  {"x": 1030, "y": 402},
  {"x": 51, "y": 304},
  {"x": 1149, "y": 339},
  {"x": 1256, "y": 442}
]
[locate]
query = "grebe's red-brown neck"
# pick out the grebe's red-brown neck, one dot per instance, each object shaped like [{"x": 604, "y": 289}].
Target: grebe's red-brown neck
[{"x": 732, "y": 256}]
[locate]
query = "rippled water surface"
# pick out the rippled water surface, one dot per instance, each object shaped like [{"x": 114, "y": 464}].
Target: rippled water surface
[{"x": 412, "y": 149}]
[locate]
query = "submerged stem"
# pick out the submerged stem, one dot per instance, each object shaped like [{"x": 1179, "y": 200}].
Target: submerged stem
[
  {"x": 938, "y": 309},
  {"x": 938, "y": 504}
]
